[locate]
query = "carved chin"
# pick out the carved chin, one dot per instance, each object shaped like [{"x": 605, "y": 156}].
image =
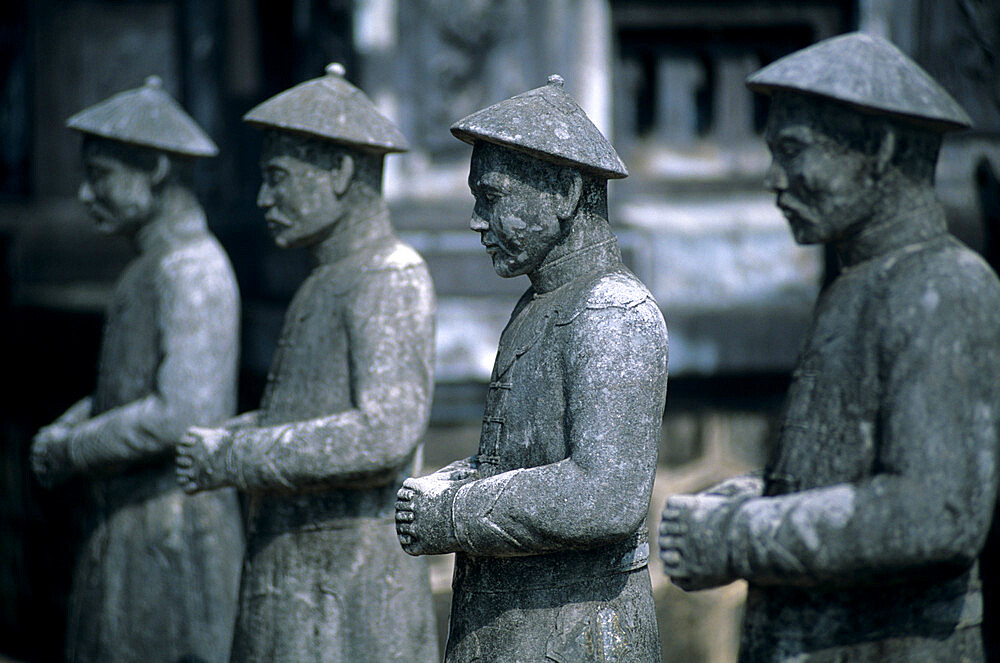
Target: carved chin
[
  {"x": 112, "y": 224},
  {"x": 804, "y": 229},
  {"x": 501, "y": 267},
  {"x": 285, "y": 239},
  {"x": 506, "y": 267},
  {"x": 104, "y": 224}
]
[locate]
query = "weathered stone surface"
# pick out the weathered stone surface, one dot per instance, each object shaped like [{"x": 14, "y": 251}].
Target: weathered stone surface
[
  {"x": 860, "y": 540},
  {"x": 346, "y": 403},
  {"x": 157, "y": 576},
  {"x": 867, "y": 73},
  {"x": 330, "y": 108},
  {"x": 548, "y": 518},
  {"x": 547, "y": 123},
  {"x": 146, "y": 116}
]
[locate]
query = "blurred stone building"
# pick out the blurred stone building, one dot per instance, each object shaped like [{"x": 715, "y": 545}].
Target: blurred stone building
[{"x": 663, "y": 79}]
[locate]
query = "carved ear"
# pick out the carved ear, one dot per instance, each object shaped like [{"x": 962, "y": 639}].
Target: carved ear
[
  {"x": 161, "y": 171},
  {"x": 343, "y": 174},
  {"x": 886, "y": 150},
  {"x": 570, "y": 190}
]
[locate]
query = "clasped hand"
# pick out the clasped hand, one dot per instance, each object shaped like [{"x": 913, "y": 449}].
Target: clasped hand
[
  {"x": 693, "y": 540},
  {"x": 423, "y": 510},
  {"x": 201, "y": 458},
  {"x": 49, "y": 455}
]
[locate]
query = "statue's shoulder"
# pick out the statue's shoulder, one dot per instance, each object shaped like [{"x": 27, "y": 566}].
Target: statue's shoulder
[
  {"x": 616, "y": 288},
  {"x": 388, "y": 263},
  {"x": 200, "y": 260},
  {"x": 390, "y": 270},
  {"x": 944, "y": 270},
  {"x": 942, "y": 289},
  {"x": 395, "y": 255},
  {"x": 394, "y": 264}
]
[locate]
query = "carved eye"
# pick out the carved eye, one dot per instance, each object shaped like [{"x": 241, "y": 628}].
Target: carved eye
[
  {"x": 484, "y": 197},
  {"x": 788, "y": 147},
  {"x": 95, "y": 173},
  {"x": 274, "y": 175}
]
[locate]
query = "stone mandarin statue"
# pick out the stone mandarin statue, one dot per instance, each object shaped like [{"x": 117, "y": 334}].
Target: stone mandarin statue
[
  {"x": 158, "y": 573},
  {"x": 860, "y": 541},
  {"x": 548, "y": 519},
  {"x": 346, "y": 402}
]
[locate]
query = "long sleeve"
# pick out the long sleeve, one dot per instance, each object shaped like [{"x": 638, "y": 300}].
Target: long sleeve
[
  {"x": 76, "y": 413},
  {"x": 198, "y": 343},
  {"x": 391, "y": 359},
  {"x": 738, "y": 487},
  {"x": 931, "y": 499},
  {"x": 614, "y": 367}
]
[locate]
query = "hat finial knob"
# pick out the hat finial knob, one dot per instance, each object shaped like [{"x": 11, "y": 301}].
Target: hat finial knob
[
  {"x": 556, "y": 79},
  {"x": 154, "y": 81},
  {"x": 335, "y": 69}
]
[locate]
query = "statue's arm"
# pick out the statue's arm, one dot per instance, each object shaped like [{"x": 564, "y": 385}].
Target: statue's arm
[
  {"x": 615, "y": 384},
  {"x": 245, "y": 420},
  {"x": 458, "y": 470},
  {"x": 49, "y": 455},
  {"x": 931, "y": 501},
  {"x": 391, "y": 348},
  {"x": 739, "y": 487},
  {"x": 198, "y": 339}
]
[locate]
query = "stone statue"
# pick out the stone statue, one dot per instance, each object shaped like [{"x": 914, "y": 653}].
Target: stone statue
[
  {"x": 346, "y": 402},
  {"x": 548, "y": 519},
  {"x": 158, "y": 573},
  {"x": 859, "y": 542}
]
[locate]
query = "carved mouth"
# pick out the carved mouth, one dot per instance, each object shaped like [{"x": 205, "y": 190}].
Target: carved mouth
[
  {"x": 276, "y": 222},
  {"x": 102, "y": 218},
  {"x": 790, "y": 211}
]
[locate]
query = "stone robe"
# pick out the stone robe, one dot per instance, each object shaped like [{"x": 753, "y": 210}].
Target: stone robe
[
  {"x": 552, "y": 532},
  {"x": 157, "y": 576},
  {"x": 346, "y": 403},
  {"x": 880, "y": 492}
]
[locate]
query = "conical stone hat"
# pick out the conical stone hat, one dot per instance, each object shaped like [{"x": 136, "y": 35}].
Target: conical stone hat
[
  {"x": 331, "y": 109},
  {"x": 145, "y": 116},
  {"x": 868, "y": 73},
  {"x": 548, "y": 124}
]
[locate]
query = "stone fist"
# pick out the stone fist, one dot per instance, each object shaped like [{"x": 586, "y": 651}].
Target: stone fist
[
  {"x": 201, "y": 458},
  {"x": 50, "y": 455},
  {"x": 693, "y": 540},
  {"x": 423, "y": 515}
]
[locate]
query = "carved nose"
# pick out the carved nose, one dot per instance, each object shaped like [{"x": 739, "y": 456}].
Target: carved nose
[
  {"x": 477, "y": 223},
  {"x": 775, "y": 179},
  {"x": 86, "y": 193},
  {"x": 264, "y": 197}
]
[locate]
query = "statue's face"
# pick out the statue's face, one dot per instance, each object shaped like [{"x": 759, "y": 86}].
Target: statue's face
[
  {"x": 297, "y": 195},
  {"x": 515, "y": 211},
  {"x": 823, "y": 184},
  {"x": 119, "y": 195}
]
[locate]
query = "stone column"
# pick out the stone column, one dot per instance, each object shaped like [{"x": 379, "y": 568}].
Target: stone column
[
  {"x": 733, "y": 108},
  {"x": 677, "y": 81},
  {"x": 593, "y": 62}
]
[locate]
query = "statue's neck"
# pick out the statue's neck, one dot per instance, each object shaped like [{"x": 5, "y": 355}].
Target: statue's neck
[
  {"x": 178, "y": 216},
  {"x": 361, "y": 226},
  {"x": 900, "y": 220},
  {"x": 588, "y": 245}
]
